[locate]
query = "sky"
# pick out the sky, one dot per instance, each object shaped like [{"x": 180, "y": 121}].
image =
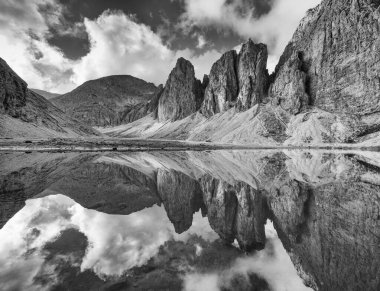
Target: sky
[{"x": 56, "y": 45}]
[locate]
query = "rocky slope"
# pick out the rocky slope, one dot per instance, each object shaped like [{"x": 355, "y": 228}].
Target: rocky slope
[
  {"x": 26, "y": 114},
  {"x": 108, "y": 101},
  {"x": 45, "y": 94},
  {"x": 325, "y": 89}
]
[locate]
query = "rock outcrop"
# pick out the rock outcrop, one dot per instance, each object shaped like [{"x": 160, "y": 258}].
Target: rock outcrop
[
  {"x": 141, "y": 110},
  {"x": 223, "y": 87},
  {"x": 13, "y": 91},
  {"x": 26, "y": 114},
  {"x": 252, "y": 74},
  {"x": 289, "y": 88},
  {"x": 108, "y": 101},
  {"x": 182, "y": 94},
  {"x": 237, "y": 80},
  {"x": 339, "y": 42}
]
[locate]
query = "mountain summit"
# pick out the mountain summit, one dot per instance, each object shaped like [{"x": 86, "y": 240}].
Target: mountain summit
[{"x": 103, "y": 102}]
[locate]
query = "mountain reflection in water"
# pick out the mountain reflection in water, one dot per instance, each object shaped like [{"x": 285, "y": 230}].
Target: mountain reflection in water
[{"x": 218, "y": 220}]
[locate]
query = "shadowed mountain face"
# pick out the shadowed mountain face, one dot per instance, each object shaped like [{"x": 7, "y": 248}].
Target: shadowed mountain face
[
  {"x": 324, "y": 208},
  {"x": 107, "y": 101}
]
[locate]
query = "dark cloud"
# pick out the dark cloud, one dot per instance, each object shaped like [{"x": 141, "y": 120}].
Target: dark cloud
[{"x": 73, "y": 47}]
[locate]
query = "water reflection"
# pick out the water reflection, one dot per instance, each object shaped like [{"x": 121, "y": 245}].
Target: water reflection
[{"x": 190, "y": 220}]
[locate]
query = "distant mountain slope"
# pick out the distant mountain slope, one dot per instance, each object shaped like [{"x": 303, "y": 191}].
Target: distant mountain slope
[
  {"x": 104, "y": 101},
  {"x": 45, "y": 94},
  {"x": 25, "y": 114}
]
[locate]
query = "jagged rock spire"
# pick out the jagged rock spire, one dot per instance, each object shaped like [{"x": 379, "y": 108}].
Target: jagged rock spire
[
  {"x": 237, "y": 80},
  {"x": 182, "y": 94}
]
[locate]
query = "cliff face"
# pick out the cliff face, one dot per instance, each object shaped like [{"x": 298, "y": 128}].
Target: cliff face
[
  {"x": 339, "y": 46},
  {"x": 237, "y": 80},
  {"x": 182, "y": 94},
  {"x": 26, "y": 114},
  {"x": 107, "y": 101},
  {"x": 13, "y": 91}
]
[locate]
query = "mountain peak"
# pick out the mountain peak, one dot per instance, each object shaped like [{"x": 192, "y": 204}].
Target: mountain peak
[
  {"x": 104, "y": 101},
  {"x": 183, "y": 93}
]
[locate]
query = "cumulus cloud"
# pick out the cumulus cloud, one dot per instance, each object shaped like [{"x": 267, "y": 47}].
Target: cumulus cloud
[
  {"x": 272, "y": 264},
  {"x": 23, "y": 31},
  {"x": 274, "y": 28},
  {"x": 116, "y": 243},
  {"x": 118, "y": 45},
  {"x": 121, "y": 45}
]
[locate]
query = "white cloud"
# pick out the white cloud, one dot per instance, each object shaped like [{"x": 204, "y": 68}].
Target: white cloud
[
  {"x": 120, "y": 45},
  {"x": 273, "y": 264},
  {"x": 116, "y": 243},
  {"x": 201, "y": 41},
  {"x": 23, "y": 31},
  {"x": 274, "y": 29}
]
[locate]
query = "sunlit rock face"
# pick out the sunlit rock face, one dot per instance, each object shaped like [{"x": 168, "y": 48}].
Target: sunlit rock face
[
  {"x": 289, "y": 88},
  {"x": 182, "y": 94},
  {"x": 223, "y": 87},
  {"x": 339, "y": 44},
  {"x": 252, "y": 74},
  {"x": 237, "y": 80}
]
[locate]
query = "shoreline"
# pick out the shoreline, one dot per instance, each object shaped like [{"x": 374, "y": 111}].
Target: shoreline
[{"x": 120, "y": 145}]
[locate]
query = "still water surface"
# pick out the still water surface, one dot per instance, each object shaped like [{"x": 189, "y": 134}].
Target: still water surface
[{"x": 217, "y": 220}]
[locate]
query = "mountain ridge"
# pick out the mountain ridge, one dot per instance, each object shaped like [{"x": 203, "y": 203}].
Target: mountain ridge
[
  {"x": 325, "y": 89},
  {"x": 103, "y": 101}
]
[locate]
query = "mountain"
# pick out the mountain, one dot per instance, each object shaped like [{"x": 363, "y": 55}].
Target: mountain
[
  {"x": 107, "y": 101},
  {"x": 45, "y": 94},
  {"x": 26, "y": 114},
  {"x": 325, "y": 89},
  {"x": 182, "y": 95}
]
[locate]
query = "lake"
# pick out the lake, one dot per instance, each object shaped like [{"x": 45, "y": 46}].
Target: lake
[{"x": 190, "y": 220}]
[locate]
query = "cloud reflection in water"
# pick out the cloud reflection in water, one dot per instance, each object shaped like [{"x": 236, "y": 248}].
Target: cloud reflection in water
[{"x": 117, "y": 243}]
